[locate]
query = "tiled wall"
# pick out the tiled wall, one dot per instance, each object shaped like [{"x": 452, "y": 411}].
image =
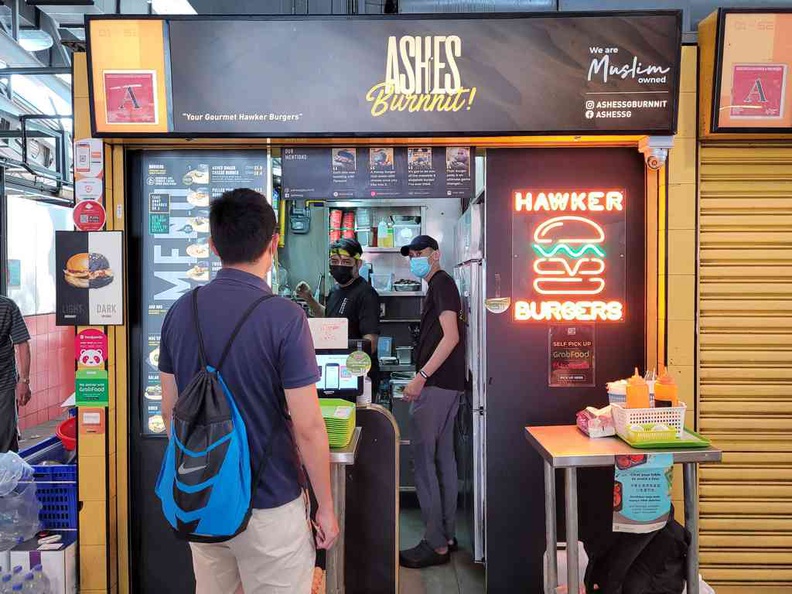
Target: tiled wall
[{"x": 51, "y": 370}]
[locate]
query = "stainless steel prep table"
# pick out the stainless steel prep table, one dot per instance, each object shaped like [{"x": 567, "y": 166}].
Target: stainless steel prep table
[
  {"x": 340, "y": 458},
  {"x": 564, "y": 446}
]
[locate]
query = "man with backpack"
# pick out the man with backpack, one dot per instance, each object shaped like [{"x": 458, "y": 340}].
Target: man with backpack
[{"x": 239, "y": 373}]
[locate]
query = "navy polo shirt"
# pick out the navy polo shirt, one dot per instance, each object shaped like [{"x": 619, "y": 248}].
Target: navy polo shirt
[{"x": 273, "y": 352}]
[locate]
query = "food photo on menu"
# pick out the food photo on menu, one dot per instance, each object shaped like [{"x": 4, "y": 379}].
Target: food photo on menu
[
  {"x": 199, "y": 273},
  {"x": 88, "y": 271},
  {"x": 344, "y": 159},
  {"x": 381, "y": 159},
  {"x": 199, "y": 250},
  {"x": 199, "y": 197},
  {"x": 199, "y": 175},
  {"x": 419, "y": 158}
]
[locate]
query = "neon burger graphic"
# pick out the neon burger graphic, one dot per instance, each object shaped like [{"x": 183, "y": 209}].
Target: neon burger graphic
[{"x": 568, "y": 258}]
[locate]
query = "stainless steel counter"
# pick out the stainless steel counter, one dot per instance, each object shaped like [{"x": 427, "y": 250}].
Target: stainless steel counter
[
  {"x": 565, "y": 447},
  {"x": 340, "y": 458}
]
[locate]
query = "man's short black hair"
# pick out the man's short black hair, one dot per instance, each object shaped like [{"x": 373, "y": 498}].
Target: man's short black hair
[{"x": 242, "y": 224}]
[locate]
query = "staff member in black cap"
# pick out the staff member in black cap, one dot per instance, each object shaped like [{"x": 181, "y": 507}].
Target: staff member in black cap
[
  {"x": 435, "y": 394},
  {"x": 351, "y": 298}
]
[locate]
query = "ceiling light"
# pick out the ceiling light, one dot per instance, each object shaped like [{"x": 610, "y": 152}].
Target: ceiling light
[{"x": 172, "y": 7}]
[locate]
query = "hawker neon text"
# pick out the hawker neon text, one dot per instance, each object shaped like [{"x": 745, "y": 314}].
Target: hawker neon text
[{"x": 611, "y": 201}]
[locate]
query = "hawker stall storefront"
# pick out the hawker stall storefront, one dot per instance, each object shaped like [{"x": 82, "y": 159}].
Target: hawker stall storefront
[{"x": 562, "y": 124}]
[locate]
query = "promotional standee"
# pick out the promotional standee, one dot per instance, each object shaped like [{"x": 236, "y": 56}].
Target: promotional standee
[{"x": 565, "y": 228}]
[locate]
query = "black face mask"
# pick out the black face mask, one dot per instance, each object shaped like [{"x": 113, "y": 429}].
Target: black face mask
[{"x": 341, "y": 274}]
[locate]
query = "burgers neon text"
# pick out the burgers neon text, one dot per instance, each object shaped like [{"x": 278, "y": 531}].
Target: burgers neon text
[{"x": 569, "y": 257}]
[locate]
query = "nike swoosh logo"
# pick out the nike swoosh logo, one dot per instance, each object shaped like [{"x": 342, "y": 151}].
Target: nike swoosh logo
[{"x": 182, "y": 470}]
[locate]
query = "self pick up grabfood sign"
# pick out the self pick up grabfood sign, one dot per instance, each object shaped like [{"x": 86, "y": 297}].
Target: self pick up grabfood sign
[{"x": 596, "y": 73}]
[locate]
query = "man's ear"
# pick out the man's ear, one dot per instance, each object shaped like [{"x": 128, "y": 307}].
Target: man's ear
[{"x": 213, "y": 248}]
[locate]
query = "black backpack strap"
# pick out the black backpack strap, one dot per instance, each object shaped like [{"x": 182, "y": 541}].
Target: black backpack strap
[
  {"x": 201, "y": 351},
  {"x": 244, "y": 318}
]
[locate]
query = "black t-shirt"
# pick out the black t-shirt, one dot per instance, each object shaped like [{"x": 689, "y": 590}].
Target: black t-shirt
[
  {"x": 358, "y": 303},
  {"x": 443, "y": 295}
]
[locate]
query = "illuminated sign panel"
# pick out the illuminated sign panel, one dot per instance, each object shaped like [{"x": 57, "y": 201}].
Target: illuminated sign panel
[{"x": 569, "y": 255}]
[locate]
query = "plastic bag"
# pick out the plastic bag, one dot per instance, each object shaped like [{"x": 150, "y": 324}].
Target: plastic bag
[
  {"x": 19, "y": 506},
  {"x": 704, "y": 587}
]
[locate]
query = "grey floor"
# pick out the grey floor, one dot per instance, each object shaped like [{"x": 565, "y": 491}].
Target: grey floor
[
  {"x": 461, "y": 576},
  {"x": 33, "y": 435}
]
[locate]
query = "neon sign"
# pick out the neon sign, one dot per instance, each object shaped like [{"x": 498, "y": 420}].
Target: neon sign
[{"x": 569, "y": 255}]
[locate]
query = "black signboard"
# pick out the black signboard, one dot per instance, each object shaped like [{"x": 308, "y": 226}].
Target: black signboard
[
  {"x": 178, "y": 187},
  {"x": 427, "y": 76},
  {"x": 571, "y": 356},
  {"x": 378, "y": 172}
]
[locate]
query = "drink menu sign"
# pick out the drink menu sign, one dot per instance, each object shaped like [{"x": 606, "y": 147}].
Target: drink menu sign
[
  {"x": 178, "y": 188},
  {"x": 378, "y": 172},
  {"x": 428, "y": 76}
]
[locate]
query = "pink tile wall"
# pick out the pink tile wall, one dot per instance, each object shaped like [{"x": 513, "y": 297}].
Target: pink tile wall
[{"x": 51, "y": 370}]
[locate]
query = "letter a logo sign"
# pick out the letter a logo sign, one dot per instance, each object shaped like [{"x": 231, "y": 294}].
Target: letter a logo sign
[
  {"x": 130, "y": 97},
  {"x": 758, "y": 91}
]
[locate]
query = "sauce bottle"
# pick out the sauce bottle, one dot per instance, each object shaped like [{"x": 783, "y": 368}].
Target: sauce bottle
[
  {"x": 637, "y": 392},
  {"x": 666, "y": 391}
]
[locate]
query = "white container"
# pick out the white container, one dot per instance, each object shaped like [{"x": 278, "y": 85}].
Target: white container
[
  {"x": 617, "y": 392},
  {"x": 382, "y": 283},
  {"x": 404, "y": 233}
]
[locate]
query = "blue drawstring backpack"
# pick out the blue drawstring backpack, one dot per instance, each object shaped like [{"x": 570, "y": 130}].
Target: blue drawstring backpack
[{"x": 206, "y": 482}]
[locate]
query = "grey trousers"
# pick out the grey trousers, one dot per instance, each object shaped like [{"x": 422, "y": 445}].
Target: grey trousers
[
  {"x": 433, "y": 416},
  {"x": 8, "y": 421}
]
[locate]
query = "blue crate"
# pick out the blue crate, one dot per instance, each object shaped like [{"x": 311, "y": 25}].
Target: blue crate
[{"x": 56, "y": 485}]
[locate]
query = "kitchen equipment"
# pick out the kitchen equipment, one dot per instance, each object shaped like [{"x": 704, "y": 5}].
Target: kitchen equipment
[
  {"x": 406, "y": 219},
  {"x": 385, "y": 347},
  {"x": 382, "y": 283},
  {"x": 404, "y": 354},
  {"x": 336, "y": 217},
  {"x": 363, "y": 219},
  {"x": 404, "y": 233},
  {"x": 407, "y": 286},
  {"x": 365, "y": 237}
]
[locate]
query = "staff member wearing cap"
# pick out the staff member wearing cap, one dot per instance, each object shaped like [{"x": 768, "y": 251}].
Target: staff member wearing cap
[
  {"x": 351, "y": 298},
  {"x": 435, "y": 394}
]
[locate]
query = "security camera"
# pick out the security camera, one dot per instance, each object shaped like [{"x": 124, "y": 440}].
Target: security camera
[
  {"x": 656, "y": 158},
  {"x": 655, "y": 150}
]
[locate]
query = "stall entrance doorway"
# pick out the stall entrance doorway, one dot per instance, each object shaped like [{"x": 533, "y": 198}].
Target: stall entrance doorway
[{"x": 521, "y": 383}]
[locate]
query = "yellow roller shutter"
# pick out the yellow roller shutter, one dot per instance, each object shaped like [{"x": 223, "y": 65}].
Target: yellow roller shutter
[{"x": 745, "y": 365}]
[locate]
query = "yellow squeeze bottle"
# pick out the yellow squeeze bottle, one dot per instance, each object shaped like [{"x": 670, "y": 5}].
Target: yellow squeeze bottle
[
  {"x": 637, "y": 392},
  {"x": 666, "y": 391}
]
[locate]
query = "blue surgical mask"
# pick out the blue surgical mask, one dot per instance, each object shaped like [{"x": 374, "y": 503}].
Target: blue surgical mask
[{"x": 420, "y": 267}]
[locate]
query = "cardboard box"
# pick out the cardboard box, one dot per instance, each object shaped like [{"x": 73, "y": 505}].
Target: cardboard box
[{"x": 59, "y": 561}]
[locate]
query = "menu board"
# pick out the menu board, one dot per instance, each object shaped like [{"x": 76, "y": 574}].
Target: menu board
[
  {"x": 178, "y": 187},
  {"x": 379, "y": 172}
]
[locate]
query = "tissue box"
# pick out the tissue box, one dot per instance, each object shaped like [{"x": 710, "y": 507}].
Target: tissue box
[
  {"x": 59, "y": 561},
  {"x": 596, "y": 422}
]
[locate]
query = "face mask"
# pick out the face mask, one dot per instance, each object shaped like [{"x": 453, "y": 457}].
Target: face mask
[
  {"x": 420, "y": 267},
  {"x": 341, "y": 274}
]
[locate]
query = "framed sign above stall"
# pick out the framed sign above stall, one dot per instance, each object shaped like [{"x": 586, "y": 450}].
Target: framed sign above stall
[
  {"x": 753, "y": 57},
  {"x": 434, "y": 75}
]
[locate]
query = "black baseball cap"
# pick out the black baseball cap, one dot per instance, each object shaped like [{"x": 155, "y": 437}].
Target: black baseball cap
[{"x": 419, "y": 243}]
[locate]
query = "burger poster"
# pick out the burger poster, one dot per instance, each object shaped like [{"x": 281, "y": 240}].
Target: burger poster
[
  {"x": 569, "y": 249},
  {"x": 89, "y": 282}
]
